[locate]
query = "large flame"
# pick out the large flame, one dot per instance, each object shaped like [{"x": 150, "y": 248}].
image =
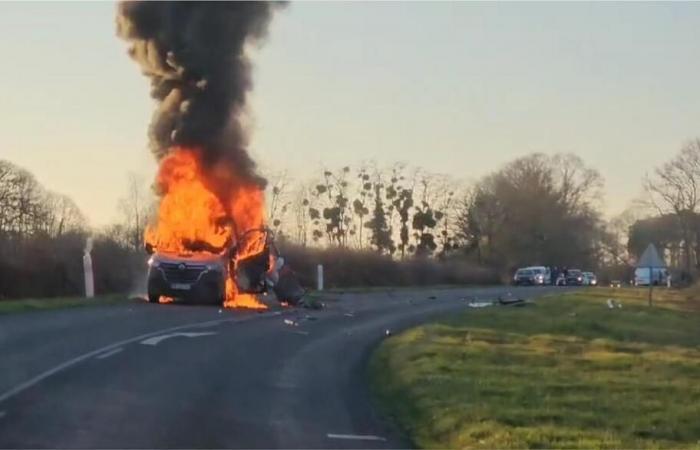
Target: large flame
[{"x": 206, "y": 210}]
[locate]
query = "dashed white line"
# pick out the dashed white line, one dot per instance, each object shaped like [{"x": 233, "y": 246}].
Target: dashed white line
[
  {"x": 356, "y": 437},
  {"x": 300, "y": 332},
  {"x": 109, "y": 353}
]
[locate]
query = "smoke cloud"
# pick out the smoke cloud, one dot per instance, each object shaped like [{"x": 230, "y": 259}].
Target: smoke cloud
[{"x": 194, "y": 54}]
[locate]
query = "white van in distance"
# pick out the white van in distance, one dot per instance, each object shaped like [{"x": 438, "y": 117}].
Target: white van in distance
[{"x": 642, "y": 276}]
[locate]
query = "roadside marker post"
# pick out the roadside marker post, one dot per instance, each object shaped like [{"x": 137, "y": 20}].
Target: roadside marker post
[
  {"x": 319, "y": 277},
  {"x": 87, "y": 270}
]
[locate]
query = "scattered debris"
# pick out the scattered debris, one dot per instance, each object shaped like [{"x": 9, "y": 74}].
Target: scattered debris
[
  {"x": 432, "y": 297},
  {"x": 474, "y": 304},
  {"x": 312, "y": 303},
  {"x": 387, "y": 332},
  {"x": 612, "y": 304},
  {"x": 220, "y": 311},
  {"x": 291, "y": 323},
  {"x": 513, "y": 302},
  {"x": 349, "y": 314}
]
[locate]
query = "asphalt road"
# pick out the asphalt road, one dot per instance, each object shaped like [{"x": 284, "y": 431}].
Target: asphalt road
[{"x": 177, "y": 376}]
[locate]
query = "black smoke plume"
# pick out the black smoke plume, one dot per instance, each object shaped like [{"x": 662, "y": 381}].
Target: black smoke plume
[{"x": 194, "y": 54}]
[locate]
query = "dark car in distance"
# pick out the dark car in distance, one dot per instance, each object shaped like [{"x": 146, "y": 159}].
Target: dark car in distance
[
  {"x": 574, "y": 277},
  {"x": 524, "y": 276}
]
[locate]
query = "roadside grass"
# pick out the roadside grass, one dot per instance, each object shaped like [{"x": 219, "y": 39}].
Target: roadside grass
[
  {"x": 39, "y": 304},
  {"x": 567, "y": 372}
]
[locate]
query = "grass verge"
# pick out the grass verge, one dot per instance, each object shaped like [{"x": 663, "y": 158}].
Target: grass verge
[
  {"x": 39, "y": 304},
  {"x": 567, "y": 372}
]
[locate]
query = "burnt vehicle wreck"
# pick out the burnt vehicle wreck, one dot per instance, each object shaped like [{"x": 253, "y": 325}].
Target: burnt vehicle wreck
[{"x": 202, "y": 276}]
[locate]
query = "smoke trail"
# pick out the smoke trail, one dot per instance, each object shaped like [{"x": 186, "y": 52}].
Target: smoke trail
[{"x": 194, "y": 55}]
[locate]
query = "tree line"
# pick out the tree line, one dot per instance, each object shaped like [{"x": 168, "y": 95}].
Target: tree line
[
  {"x": 43, "y": 235},
  {"x": 537, "y": 209}
]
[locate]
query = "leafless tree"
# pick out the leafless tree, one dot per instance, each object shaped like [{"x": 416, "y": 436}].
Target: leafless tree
[
  {"x": 279, "y": 202},
  {"x": 136, "y": 207},
  {"x": 675, "y": 188}
]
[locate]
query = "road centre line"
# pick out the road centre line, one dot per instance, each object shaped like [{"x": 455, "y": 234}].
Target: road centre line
[
  {"x": 356, "y": 437},
  {"x": 110, "y": 353},
  {"x": 107, "y": 348}
]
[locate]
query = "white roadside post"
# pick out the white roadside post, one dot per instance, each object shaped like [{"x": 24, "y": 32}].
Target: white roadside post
[
  {"x": 319, "y": 277},
  {"x": 87, "y": 270}
]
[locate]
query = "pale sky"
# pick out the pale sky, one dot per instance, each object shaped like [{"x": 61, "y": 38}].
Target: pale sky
[{"x": 456, "y": 88}]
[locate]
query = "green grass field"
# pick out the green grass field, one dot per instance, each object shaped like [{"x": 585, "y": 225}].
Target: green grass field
[
  {"x": 567, "y": 372},
  {"x": 38, "y": 304}
]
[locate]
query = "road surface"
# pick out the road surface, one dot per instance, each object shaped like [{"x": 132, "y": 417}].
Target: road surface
[{"x": 176, "y": 376}]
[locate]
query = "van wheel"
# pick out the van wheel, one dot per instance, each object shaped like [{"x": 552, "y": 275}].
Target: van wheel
[{"x": 153, "y": 298}]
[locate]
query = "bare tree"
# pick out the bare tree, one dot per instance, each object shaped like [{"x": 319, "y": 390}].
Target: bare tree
[
  {"x": 136, "y": 207},
  {"x": 675, "y": 188},
  {"x": 279, "y": 201}
]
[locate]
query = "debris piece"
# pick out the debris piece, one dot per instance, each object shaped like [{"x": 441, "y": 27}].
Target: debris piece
[
  {"x": 611, "y": 304},
  {"x": 291, "y": 323},
  {"x": 349, "y": 314},
  {"x": 512, "y": 302},
  {"x": 479, "y": 304},
  {"x": 387, "y": 332},
  {"x": 432, "y": 297}
]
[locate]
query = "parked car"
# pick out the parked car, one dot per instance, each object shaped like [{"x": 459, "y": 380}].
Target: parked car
[
  {"x": 589, "y": 279},
  {"x": 545, "y": 272},
  {"x": 528, "y": 276},
  {"x": 574, "y": 277}
]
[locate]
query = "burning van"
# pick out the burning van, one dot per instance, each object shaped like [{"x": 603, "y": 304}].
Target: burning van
[
  {"x": 205, "y": 277},
  {"x": 207, "y": 240},
  {"x": 197, "y": 277}
]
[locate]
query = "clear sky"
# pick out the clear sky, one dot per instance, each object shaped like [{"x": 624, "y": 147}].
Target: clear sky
[{"x": 457, "y": 88}]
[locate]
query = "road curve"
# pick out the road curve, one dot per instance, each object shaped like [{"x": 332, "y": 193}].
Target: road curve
[{"x": 175, "y": 376}]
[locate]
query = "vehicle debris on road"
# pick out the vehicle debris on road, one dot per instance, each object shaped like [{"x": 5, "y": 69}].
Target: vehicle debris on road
[
  {"x": 474, "y": 304},
  {"x": 612, "y": 304}
]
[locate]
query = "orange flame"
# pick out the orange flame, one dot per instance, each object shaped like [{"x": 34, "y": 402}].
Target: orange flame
[{"x": 206, "y": 209}]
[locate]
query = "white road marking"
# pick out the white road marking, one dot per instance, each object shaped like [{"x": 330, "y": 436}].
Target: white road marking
[
  {"x": 356, "y": 437},
  {"x": 158, "y": 339},
  {"x": 303, "y": 333},
  {"x": 110, "y": 353},
  {"x": 85, "y": 356}
]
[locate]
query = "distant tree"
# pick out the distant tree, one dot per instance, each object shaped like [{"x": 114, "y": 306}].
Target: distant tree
[
  {"x": 137, "y": 206},
  {"x": 335, "y": 215},
  {"x": 674, "y": 188},
  {"x": 279, "y": 203},
  {"x": 381, "y": 239},
  {"x": 536, "y": 209},
  {"x": 359, "y": 204}
]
